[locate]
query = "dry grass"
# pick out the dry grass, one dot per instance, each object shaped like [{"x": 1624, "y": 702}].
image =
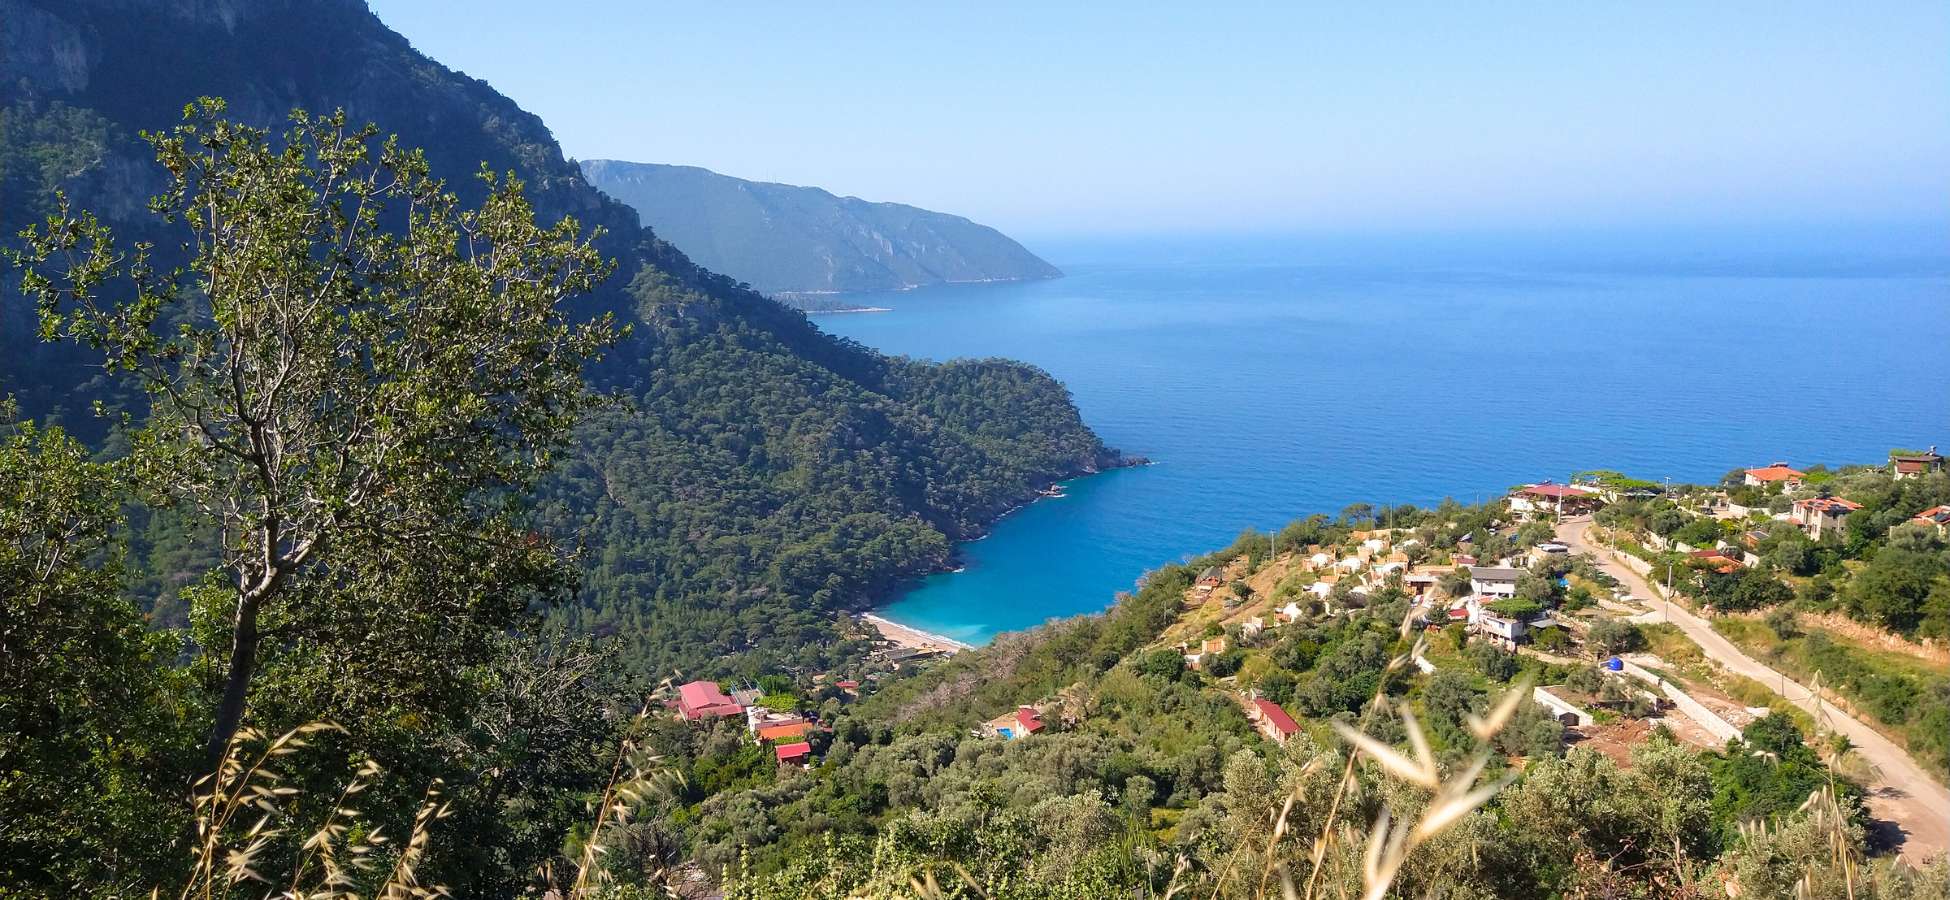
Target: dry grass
[{"x": 243, "y": 810}]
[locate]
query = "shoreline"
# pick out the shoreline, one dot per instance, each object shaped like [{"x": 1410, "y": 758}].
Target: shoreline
[{"x": 911, "y": 637}]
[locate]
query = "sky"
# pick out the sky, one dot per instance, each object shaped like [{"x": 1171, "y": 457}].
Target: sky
[{"x": 1130, "y": 117}]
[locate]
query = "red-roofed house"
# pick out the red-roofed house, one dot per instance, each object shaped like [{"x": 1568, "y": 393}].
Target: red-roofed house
[
  {"x": 1937, "y": 517},
  {"x": 1775, "y": 473},
  {"x": 1273, "y": 721},
  {"x": 1719, "y": 560},
  {"x": 793, "y": 754},
  {"x": 1822, "y": 515},
  {"x": 1030, "y": 720},
  {"x": 703, "y": 700}
]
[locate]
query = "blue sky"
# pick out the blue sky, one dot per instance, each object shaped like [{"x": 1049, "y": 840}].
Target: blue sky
[{"x": 1067, "y": 119}]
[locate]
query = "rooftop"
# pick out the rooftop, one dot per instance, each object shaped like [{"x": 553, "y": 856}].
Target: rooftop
[
  {"x": 1494, "y": 573},
  {"x": 1273, "y": 713}
]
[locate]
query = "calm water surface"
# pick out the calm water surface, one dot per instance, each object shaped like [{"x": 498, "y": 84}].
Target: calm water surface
[{"x": 1269, "y": 391}]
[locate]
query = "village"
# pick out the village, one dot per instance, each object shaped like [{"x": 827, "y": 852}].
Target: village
[{"x": 1554, "y": 585}]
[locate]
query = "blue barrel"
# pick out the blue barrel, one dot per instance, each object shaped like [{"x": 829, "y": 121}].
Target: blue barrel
[{"x": 1615, "y": 664}]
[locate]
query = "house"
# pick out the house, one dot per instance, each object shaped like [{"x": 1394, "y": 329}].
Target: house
[
  {"x": 1717, "y": 560},
  {"x": 848, "y": 685},
  {"x": 1822, "y": 515},
  {"x": 1212, "y": 645},
  {"x": 1463, "y": 559},
  {"x": 1503, "y": 629},
  {"x": 1029, "y": 720},
  {"x": 1273, "y": 721},
  {"x": 1319, "y": 561},
  {"x": 701, "y": 700},
  {"x": 793, "y": 754},
  {"x": 1252, "y": 627},
  {"x": 1351, "y": 564},
  {"x": 1546, "y": 497},
  {"x": 1211, "y": 577},
  {"x": 1915, "y": 465},
  {"x": 1774, "y": 473},
  {"x": 1937, "y": 517},
  {"x": 1422, "y": 580},
  {"x": 1492, "y": 581},
  {"x": 1290, "y": 613},
  {"x": 784, "y": 731}
]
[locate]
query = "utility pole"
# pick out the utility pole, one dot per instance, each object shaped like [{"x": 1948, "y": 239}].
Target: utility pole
[{"x": 1668, "y": 590}]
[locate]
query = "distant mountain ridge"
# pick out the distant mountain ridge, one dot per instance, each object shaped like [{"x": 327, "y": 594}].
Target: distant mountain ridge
[{"x": 789, "y": 240}]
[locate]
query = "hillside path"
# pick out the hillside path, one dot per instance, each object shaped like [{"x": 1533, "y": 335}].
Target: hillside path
[{"x": 1900, "y": 792}]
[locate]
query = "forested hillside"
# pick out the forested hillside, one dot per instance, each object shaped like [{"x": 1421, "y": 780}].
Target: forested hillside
[
  {"x": 786, "y": 239},
  {"x": 756, "y": 475},
  {"x": 1152, "y": 774}
]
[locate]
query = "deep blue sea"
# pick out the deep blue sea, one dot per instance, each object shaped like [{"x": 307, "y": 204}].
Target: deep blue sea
[{"x": 1268, "y": 389}]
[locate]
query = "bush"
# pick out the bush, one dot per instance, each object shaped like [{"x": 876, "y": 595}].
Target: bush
[
  {"x": 1166, "y": 664},
  {"x": 1614, "y": 636},
  {"x": 1550, "y": 640}
]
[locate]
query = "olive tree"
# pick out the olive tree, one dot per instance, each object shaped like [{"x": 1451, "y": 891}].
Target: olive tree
[{"x": 349, "y": 375}]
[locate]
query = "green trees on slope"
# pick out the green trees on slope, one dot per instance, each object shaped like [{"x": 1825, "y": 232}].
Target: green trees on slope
[{"x": 350, "y": 381}]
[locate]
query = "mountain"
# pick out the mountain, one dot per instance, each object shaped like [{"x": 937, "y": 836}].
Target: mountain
[
  {"x": 788, "y": 240},
  {"x": 758, "y": 476}
]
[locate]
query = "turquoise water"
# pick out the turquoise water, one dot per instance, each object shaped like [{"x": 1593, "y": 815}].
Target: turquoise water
[{"x": 1269, "y": 390}]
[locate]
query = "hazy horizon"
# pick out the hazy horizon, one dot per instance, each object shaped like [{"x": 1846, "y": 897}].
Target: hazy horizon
[{"x": 1107, "y": 119}]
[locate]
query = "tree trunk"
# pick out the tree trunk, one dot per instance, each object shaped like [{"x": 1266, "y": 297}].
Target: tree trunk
[{"x": 236, "y": 685}]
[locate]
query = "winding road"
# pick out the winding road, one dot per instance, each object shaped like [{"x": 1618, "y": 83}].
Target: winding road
[{"x": 1900, "y": 792}]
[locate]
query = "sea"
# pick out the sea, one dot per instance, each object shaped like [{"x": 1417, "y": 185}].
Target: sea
[{"x": 1269, "y": 380}]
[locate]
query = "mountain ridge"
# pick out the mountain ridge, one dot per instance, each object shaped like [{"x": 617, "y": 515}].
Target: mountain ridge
[
  {"x": 712, "y": 527},
  {"x": 798, "y": 241}
]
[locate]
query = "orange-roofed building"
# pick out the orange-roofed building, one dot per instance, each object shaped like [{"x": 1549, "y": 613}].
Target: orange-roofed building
[
  {"x": 1776, "y": 473},
  {"x": 1718, "y": 560},
  {"x": 1822, "y": 515},
  {"x": 1937, "y": 517},
  {"x": 786, "y": 731}
]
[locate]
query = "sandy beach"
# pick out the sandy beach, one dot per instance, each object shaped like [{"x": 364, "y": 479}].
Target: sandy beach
[{"x": 913, "y": 637}]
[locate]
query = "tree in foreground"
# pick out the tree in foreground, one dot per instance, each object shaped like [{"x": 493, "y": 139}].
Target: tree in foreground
[{"x": 351, "y": 379}]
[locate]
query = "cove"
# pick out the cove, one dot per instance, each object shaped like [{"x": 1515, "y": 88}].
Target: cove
[{"x": 1267, "y": 389}]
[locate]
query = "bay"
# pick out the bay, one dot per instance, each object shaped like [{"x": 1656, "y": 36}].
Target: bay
[{"x": 1268, "y": 389}]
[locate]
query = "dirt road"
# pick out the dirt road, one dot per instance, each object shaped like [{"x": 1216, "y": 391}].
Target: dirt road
[{"x": 1900, "y": 792}]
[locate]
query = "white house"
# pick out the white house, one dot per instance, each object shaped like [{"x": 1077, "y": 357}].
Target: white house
[
  {"x": 1290, "y": 612},
  {"x": 1500, "y": 627},
  {"x": 1493, "y": 581}
]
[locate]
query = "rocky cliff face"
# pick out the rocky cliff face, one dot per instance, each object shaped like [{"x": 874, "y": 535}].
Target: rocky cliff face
[{"x": 137, "y": 62}]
